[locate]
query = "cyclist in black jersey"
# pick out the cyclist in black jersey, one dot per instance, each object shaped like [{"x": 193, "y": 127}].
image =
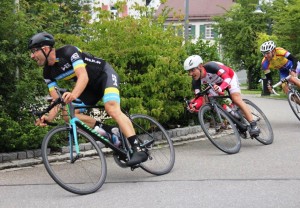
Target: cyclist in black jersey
[{"x": 94, "y": 79}]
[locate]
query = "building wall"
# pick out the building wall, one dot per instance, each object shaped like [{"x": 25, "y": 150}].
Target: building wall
[
  {"x": 109, "y": 5},
  {"x": 199, "y": 17}
]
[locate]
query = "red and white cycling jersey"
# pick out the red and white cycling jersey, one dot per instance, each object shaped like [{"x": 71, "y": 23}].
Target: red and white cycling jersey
[{"x": 220, "y": 74}]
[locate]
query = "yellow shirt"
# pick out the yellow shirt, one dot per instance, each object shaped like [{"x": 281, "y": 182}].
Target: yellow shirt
[{"x": 279, "y": 61}]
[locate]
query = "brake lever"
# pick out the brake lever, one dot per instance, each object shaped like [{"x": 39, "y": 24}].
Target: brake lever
[
  {"x": 211, "y": 86},
  {"x": 186, "y": 101}
]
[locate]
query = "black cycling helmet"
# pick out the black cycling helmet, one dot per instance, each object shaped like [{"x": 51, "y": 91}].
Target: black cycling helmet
[{"x": 41, "y": 39}]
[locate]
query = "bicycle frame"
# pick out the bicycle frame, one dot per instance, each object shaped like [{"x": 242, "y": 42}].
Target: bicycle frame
[
  {"x": 291, "y": 86},
  {"x": 213, "y": 102},
  {"x": 74, "y": 122}
]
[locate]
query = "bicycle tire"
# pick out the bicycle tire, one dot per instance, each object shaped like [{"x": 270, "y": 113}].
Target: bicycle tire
[
  {"x": 224, "y": 135},
  {"x": 294, "y": 105},
  {"x": 266, "y": 135},
  {"x": 161, "y": 152},
  {"x": 87, "y": 174}
]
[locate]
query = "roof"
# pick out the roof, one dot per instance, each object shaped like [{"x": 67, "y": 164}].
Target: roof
[{"x": 198, "y": 9}]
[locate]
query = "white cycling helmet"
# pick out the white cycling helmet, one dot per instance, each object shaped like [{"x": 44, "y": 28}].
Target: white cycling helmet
[
  {"x": 267, "y": 46},
  {"x": 192, "y": 62}
]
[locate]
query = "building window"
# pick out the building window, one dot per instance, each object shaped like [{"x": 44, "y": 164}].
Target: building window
[
  {"x": 209, "y": 34},
  {"x": 192, "y": 31},
  {"x": 113, "y": 12}
]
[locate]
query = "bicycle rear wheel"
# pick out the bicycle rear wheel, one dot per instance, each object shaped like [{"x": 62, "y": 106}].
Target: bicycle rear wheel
[
  {"x": 266, "y": 135},
  {"x": 220, "y": 130},
  {"x": 294, "y": 101},
  {"x": 160, "y": 147},
  {"x": 82, "y": 176}
]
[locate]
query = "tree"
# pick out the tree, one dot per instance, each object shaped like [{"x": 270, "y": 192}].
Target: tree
[
  {"x": 239, "y": 30},
  {"x": 286, "y": 27},
  {"x": 148, "y": 60},
  {"x": 148, "y": 57},
  {"x": 20, "y": 79}
]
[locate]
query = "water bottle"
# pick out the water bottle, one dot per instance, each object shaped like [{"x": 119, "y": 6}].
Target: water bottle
[
  {"x": 101, "y": 131},
  {"x": 115, "y": 136}
]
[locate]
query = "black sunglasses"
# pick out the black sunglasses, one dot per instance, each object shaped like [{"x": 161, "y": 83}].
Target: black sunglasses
[
  {"x": 264, "y": 53},
  {"x": 33, "y": 50}
]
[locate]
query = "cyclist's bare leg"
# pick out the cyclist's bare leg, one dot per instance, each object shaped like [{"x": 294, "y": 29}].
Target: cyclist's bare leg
[
  {"x": 237, "y": 99},
  {"x": 294, "y": 79},
  {"x": 85, "y": 118},
  {"x": 111, "y": 100},
  {"x": 113, "y": 109},
  {"x": 285, "y": 88}
]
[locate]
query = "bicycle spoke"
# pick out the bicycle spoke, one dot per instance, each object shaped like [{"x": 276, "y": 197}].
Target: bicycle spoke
[
  {"x": 80, "y": 173},
  {"x": 219, "y": 129},
  {"x": 294, "y": 102},
  {"x": 266, "y": 132},
  {"x": 156, "y": 142}
]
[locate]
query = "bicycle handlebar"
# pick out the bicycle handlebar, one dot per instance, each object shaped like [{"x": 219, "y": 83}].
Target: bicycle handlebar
[
  {"x": 281, "y": 81},
  {"x": 59, "y": 100},
  {"x": 286, "y": 79},
  {"x": 206, "y": 90}
]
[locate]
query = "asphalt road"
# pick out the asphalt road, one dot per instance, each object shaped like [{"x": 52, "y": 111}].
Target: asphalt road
[{"x": 258, "y": 176}]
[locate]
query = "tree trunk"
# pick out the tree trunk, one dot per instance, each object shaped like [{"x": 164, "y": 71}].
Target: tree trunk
[{"x": 253, "y": 76}]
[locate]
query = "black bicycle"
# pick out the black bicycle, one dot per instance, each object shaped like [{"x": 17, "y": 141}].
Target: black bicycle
[
  {"x": 73, "y": 156},
  {"x": 293, "y": 95},
  {"x": 225, "y": 129}
]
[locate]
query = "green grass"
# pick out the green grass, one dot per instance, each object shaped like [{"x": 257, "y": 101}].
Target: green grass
[
  {"x": 258, "y": 92},
  {"x": 245, "y": 91}
]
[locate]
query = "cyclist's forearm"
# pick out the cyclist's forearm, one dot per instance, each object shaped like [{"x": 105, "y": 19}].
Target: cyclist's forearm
[
  {"x": 52, "y": 114},
  {"x": 81, "y": 83}
]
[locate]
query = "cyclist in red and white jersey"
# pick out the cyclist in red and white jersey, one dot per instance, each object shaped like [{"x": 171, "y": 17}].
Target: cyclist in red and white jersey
[{"x": 222, "y": 77}]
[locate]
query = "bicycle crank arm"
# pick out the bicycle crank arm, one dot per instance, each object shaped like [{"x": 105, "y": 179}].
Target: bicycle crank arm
[{"x": 147, "y": 143}]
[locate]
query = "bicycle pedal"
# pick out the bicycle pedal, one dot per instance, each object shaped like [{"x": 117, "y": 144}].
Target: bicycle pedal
[
  {"x": 134, "y": 167},
  {"x": 254, "y": 136}
]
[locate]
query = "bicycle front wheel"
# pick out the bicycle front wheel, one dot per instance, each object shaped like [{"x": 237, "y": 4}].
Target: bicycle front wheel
[
  {"x": 161, "y": 151},
  {"x": 219, "y": 129},
  {"x": 83, "y": 175},
  {"x": 266, "y": 135},
  {"x": 294, "y": 101}
]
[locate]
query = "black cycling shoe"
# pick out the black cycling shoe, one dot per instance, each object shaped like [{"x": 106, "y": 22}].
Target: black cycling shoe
[
  {"x": 137, "y": 158},
  {"x": 254, "y": 130}
]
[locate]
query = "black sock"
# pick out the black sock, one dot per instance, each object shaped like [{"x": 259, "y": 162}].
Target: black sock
[
  {"x": 253, "y": 123},
  {"x": 97, "y": 124},
  {"x": 132, "y": 140},
  {"x": 106, "y": 127}
]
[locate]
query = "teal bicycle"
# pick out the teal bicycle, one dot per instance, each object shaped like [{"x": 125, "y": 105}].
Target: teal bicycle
[{"x": 73, "y": 155}]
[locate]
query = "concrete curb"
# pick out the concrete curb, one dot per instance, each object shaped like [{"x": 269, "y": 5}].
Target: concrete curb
[{"x": 17, "y": 160}]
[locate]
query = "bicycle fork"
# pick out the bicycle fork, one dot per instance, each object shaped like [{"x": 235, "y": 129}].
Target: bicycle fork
[
  {"x": 73, "y": 141},
  {"x": 296, "y": 100}
]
